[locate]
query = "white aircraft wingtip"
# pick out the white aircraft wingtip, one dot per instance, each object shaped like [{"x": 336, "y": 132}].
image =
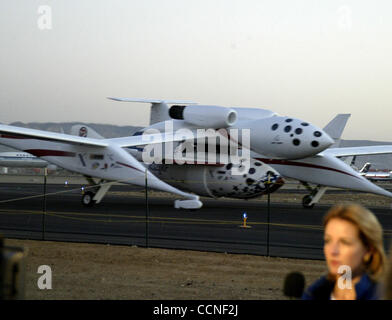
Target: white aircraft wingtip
[{"x": 151, "y": 100}]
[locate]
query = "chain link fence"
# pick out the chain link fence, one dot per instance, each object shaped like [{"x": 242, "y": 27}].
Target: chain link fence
[{"x": 49, "y": 207}]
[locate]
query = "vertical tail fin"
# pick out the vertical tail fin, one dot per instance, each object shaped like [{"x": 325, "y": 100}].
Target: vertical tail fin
[
  {"x": 365, "y": 168},
  {"x": 335, "y": 128}
]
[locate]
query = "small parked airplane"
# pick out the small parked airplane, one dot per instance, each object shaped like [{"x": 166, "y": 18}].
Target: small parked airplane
[
  {"x": 21, "y": 160},
  {"x": 375, "y": 175},
  {"x": 270, "y": 146}
]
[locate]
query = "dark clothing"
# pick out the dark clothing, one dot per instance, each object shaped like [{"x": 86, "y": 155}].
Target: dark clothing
[{"x": 365, "y": 289}]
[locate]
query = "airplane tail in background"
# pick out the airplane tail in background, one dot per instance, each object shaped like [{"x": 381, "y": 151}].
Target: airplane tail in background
[
  {"x": 365, "y": 168},
  {"x": 82, "y": 130},
  {"x": 159, "y": 108},
  {"x": 335, "y": 128}
]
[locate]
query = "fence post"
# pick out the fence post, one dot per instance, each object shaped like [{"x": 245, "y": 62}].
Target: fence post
[
  {"x": 44, "y": 204},
  {"x": 146, "y": 210},
  {"x": 268, "y": 212}
]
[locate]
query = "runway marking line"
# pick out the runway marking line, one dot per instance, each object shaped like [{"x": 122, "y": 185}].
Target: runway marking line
[
  {"x": 139, "y": 219},
  {"x": 152, "y": 219}
]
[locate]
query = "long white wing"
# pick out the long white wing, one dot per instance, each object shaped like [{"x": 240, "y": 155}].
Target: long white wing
[
  {"x": 153, "y": 138},
  {"x": 358, "y": 151},
  {"x": 327, "y": 171},
  {"x": 126, "y": 142},
  {"x": 17, "y": 132},
  {"x": 151, "y": 100}
]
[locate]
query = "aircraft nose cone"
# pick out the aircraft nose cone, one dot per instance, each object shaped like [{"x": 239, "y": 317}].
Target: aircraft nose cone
[
  {"x": 320, "y": 140},
  {"x": 325, "y": 140},
  {"x": 306, "y": 139},
  {"x": 288, "y": 138}
]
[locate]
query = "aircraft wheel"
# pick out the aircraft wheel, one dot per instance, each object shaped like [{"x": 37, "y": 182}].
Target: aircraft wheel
[
  {"x": 306, "y": 202},
  {"x": 87, "y": 199}
]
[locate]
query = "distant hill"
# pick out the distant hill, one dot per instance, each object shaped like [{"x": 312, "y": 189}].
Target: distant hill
[{"x": 113, "y": 131}]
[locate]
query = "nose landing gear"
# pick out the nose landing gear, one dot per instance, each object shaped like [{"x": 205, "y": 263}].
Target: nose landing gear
[
  {"x": 307, "y": 202},
  {"x": 314, "y": 197},
  {"x": 89, "y": 198}
]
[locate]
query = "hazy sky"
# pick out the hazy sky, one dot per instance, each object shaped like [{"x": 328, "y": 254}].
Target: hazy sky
[{"x": 307, "y": 59}]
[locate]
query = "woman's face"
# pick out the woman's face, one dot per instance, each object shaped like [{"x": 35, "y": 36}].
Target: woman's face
[{"x": 342, "y": 246}]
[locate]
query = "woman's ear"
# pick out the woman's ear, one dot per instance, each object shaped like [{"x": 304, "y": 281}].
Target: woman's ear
[{"x": 368, "y": 255}]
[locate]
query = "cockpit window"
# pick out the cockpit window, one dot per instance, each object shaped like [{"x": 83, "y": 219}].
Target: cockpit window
[
  {"x": 289, "y": 120},
  {"x": 287, "y": 128},
  {"x": 274, "y": 126},
  {"x": 96, "y": 156},
  {"x": 305, "y": 124},
  {"x": 317, "y": 134},
  {"x": 296, "y": 142},
  {"x": 315, "y": 144},
  {"x": 298, "y": 131}
]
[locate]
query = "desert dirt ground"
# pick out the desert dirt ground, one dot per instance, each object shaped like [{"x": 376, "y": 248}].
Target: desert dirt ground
[{"x": 94, "y": 271}]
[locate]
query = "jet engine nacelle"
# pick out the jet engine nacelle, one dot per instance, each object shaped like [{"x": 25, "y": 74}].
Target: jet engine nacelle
[
  {"x": 218, "y": 181},
  {"x": 204, "y": 116}
]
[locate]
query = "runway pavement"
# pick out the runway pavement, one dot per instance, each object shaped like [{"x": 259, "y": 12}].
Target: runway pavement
[{"x": 125, "y": 217}]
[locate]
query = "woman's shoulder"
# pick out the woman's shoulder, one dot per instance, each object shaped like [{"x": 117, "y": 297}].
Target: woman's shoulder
[
  {"x": 321, "y": 289},
  {"x": 367, "y": 289}
]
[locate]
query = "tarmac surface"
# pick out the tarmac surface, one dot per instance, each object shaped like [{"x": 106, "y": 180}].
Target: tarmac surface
[{"x": 125, "y": 217}]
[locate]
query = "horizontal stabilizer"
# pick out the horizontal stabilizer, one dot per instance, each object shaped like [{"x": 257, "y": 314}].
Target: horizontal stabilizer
[{"x": 152, "y": 100}]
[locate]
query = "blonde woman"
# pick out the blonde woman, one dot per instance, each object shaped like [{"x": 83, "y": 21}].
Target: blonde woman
[
  {"x": 354, "y": 253},
  {"x": 388, "y": 279}
]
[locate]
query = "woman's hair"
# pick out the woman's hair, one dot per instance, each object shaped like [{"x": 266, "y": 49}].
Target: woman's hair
[
  {"x": 370, "y": 233},
  {"x": 388, "y": 279}
]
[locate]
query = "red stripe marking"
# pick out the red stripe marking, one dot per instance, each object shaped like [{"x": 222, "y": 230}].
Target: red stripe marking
[
  {"x": 188, "y": 162},
  {"x": 302, "y": 164},
  {"x": 50, "y": 153},
  {"x": 9, "y": 136},
  {"x": 26, "y": 137},
  {"x": 129, "y": 166}
]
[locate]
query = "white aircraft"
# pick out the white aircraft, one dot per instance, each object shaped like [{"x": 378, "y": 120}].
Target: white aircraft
[
  {"x": 21, "y": 160},
  {"x": 375, "y": 175},
  {"x": 278, "y": 146}
]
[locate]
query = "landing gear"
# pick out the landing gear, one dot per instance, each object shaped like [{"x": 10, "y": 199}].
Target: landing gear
[
  {"x": 307, "y": 202},
  {"x": 314, "y": 197},
  {"x": 89, "y": 198}
]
